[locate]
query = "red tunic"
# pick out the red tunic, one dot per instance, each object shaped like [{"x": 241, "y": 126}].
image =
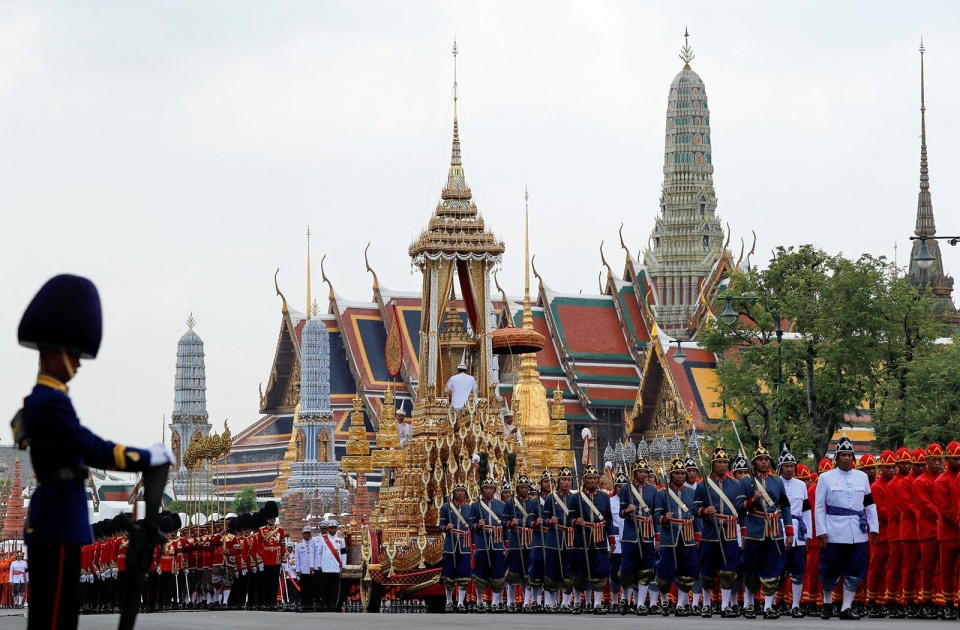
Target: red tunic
[
  {"x": 271, "y": 545},
  {"x": 925, "y": 506},
  {"x": 908, "y": 511}
]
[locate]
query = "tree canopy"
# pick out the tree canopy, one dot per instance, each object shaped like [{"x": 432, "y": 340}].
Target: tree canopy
[{"x": 245, "y": 500}]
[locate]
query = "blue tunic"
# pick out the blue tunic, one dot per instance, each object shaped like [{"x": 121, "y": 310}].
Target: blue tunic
[
  {"x": 453, "y": 541},
  {"x": 58, "y": 442}
]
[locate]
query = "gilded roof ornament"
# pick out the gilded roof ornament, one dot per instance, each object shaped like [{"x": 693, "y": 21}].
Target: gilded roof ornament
[
  {"x": 191, "y": 322},
  {"x": 686, "y": 53}
]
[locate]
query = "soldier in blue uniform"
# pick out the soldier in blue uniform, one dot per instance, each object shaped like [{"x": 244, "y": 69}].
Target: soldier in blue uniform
[
  {"x": 592, "y": 540},
  {"x": 678, "y": 537},
  {"x": 63, "y": 322},
  {"x": 769, "y": 526},
  {"x": 455, "y": 518},
  {"x": 544, "y": 556},
  {"x": 486, "y": 520},
  {"x": 718, "y": 501},
  {"x": 519, "y": 540},
  {"x": 637, "y": 561},
  {"x": 560, "y": 509}
]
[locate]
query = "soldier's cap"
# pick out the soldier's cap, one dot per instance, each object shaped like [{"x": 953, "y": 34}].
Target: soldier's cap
[
  {"x": 460, "y": 486},
  {"x": 620, "y": 479},
  {"x": 333, "y": 523},
  {"x": 918, "y": 456},
  {"x": 546, "y": 475},
  {"x": 677, "y": 465},
  {"x": 739, "y": 464},
  {"x": 689, "y": 463},
  {"x": 462, "y": 367},
  {"x": 904, "y": 454},
  {"x": 565, "y": 472},
  {"x": 166, "y": 525},
  {"x": 953, "y": 449},
  {"x": 401, "y": 411},
  {"x": 720, "y": 454},
  {"x": 844, "y": 445},
  {"x": 590, "y": 470},
  {"x": 934, "y": 450},
  {"x": 786, "y": 457},
  {"x": 306, "y": 530},
  {"x": 887, "y": 458},
  {"x": 523, "y": 480},
  {"x": 488, "y": 481},
  {"x": 323, "y": 524},
  {"x": 866, "y": 461},
  {"x": 803, "y": 472},
  {"x": 505, "y": 486},
  {"x": 760, "y": 451},
  {"x": 270, "y": 510},
  {"x": 824, "y": 465},
  {"x": 641, "y": 465},
  {"x": 65, "y": 313}
]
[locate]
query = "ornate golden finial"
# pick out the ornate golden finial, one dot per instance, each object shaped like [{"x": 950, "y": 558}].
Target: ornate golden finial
[
  {"x": 323, "y": 274},
  {"x": 603, "y": 259},
  {"x": 284, "y": 310},
  {"x": 503, "y": 294},
  {"x": 753, "y": 249},
  {"x": 308, "y": 271},
  {"x": 191, "y": 322},
  {"x": 686, "y": 53},
  {"x": 376, "y": 283},
  {"x": 727, "y": 244},
  {"x": 624, "y": 245},
  {"x": 533, "y": 267}
]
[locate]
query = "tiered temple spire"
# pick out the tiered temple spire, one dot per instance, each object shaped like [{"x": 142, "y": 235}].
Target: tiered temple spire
[
  {"x": 189, "y": 419},
  {"x": 933, "y": 279},
  {"x": 16, "y": 514},
  {"x": 687, "y": 239}
]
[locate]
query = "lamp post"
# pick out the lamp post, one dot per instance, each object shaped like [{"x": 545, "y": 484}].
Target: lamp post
[
  {"x": 679, "y": 356},
  {"x": 729, "y": 317},
  {"x": 924, "y": 258}
]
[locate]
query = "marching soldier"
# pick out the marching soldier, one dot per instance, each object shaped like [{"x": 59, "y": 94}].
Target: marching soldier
[
  {"x": 845, "y": 514},
  {"x": 560, "y": 510},
  {"x": 63, "y": 322},
  {"x": 18, "y": 579},
  {"x": 305, "y": 554},
  {"x": 332, "y": 556},
  {"x": 616, "y": 556},
  {"x": 455, "y": 517},
  {"x": 718, "y": 501},
  {"x": 519, "y": 541},
  {"x": 545, "y": 554},
  {"x": 880, "y": 547},
  {"x": 927, "y": 518},
  {"x": 486, "y": 520},
  {"x": 270, "y": 539},
  {"x": 894, "y": 583},
  {"x": 678, "y": 537},
  {"x": 947, "y": 494},
  {"x": 767, "y": 520},
  {"x": 800, "y": 514},
  {"x": 637, "y": 562},
  {"x": 592, "y": 541}
]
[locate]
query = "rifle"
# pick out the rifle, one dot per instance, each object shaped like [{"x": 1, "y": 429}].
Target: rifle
[
  {"x": 706, "y": 488},
  {"x": 756, "y": 484},
  {"x": 144, "y": 538}
]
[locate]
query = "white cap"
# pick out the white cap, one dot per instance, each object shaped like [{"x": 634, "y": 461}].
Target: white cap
[
  {"x": 462, "y": 366},
  {"x": 332, "y": 523},
  {"x": 306, "y": 528}
]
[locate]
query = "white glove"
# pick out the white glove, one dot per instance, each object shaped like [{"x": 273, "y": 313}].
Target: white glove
[
  {"x": 260, "y": 566},
  {"x": 243, "y": 571},
  {"x": 254, "y": 568},
  {"x": 160, "y": 454}
]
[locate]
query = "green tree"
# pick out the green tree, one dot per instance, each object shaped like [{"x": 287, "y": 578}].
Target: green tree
[
  {"x": 245, "y": 500},
  {"x": 850, "y": 323}
]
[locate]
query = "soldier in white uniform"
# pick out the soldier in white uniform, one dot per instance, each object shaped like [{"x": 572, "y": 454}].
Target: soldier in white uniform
[
  {"x": 403, "y": 426},
  {"x": 510, "y": 430},
  {"x": 459, "y": 387},
  {"x": 845, "y": 514},
  {"x": 18, "y": 578},
  {"x": 331, "y": 549},
  {"x": 305, "y": 553},
  {"x": 800, "y": 514}
]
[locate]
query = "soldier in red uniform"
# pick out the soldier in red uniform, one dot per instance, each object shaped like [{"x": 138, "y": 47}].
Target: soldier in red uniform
[
  {"x": 947, "y": 495},
  {"x": 908, "y": 534},
  {"x": 271, "y": 540},
  {"x": 812, "y": 592},
  {"x": 880, "y": 548},
  {"x": 927, "y": 518},
  {"x": 894, "y": 592}
]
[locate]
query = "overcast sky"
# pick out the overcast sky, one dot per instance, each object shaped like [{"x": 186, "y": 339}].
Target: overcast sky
[{"x": 175, "y": 152}]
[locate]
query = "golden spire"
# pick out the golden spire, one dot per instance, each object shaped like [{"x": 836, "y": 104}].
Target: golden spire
[
  {"x": 527, "y": 312},
  {"x": 686, "y": 53},
  {"x": 309, "y": 302}
]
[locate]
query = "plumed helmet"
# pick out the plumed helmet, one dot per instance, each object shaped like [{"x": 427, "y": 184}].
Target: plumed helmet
[
  {"x": 460, "y": 486},
  {"x": 620, "y": 479},
  {"x": 270, "y": 509},
  {"x": 866, "y": 461},
  {"x": 760, "y": 451},
  {"x": 739, "y": 464},
  {"x": 523, "y": 480},
  {"x": 488, "y": 481},
  {"x": 844, "y": 445},
  {"x": 65, "y": 313},
  {"x": 720, "y": 454}
]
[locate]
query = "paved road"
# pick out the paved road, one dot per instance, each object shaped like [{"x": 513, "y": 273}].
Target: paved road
[{"x": 288, "y": 621}]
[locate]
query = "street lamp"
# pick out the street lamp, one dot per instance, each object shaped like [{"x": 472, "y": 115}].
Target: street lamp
[
  {"x": 730, "y": 316},
  {"x": 924, "y": 258},
  {"x": 679, "y": 356}
]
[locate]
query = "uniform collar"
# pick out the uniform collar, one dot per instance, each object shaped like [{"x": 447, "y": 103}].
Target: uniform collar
[{"x": 46, "y": 380}]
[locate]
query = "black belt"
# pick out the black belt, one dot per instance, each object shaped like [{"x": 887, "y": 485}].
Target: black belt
[{"x": 62, "y": 474}]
